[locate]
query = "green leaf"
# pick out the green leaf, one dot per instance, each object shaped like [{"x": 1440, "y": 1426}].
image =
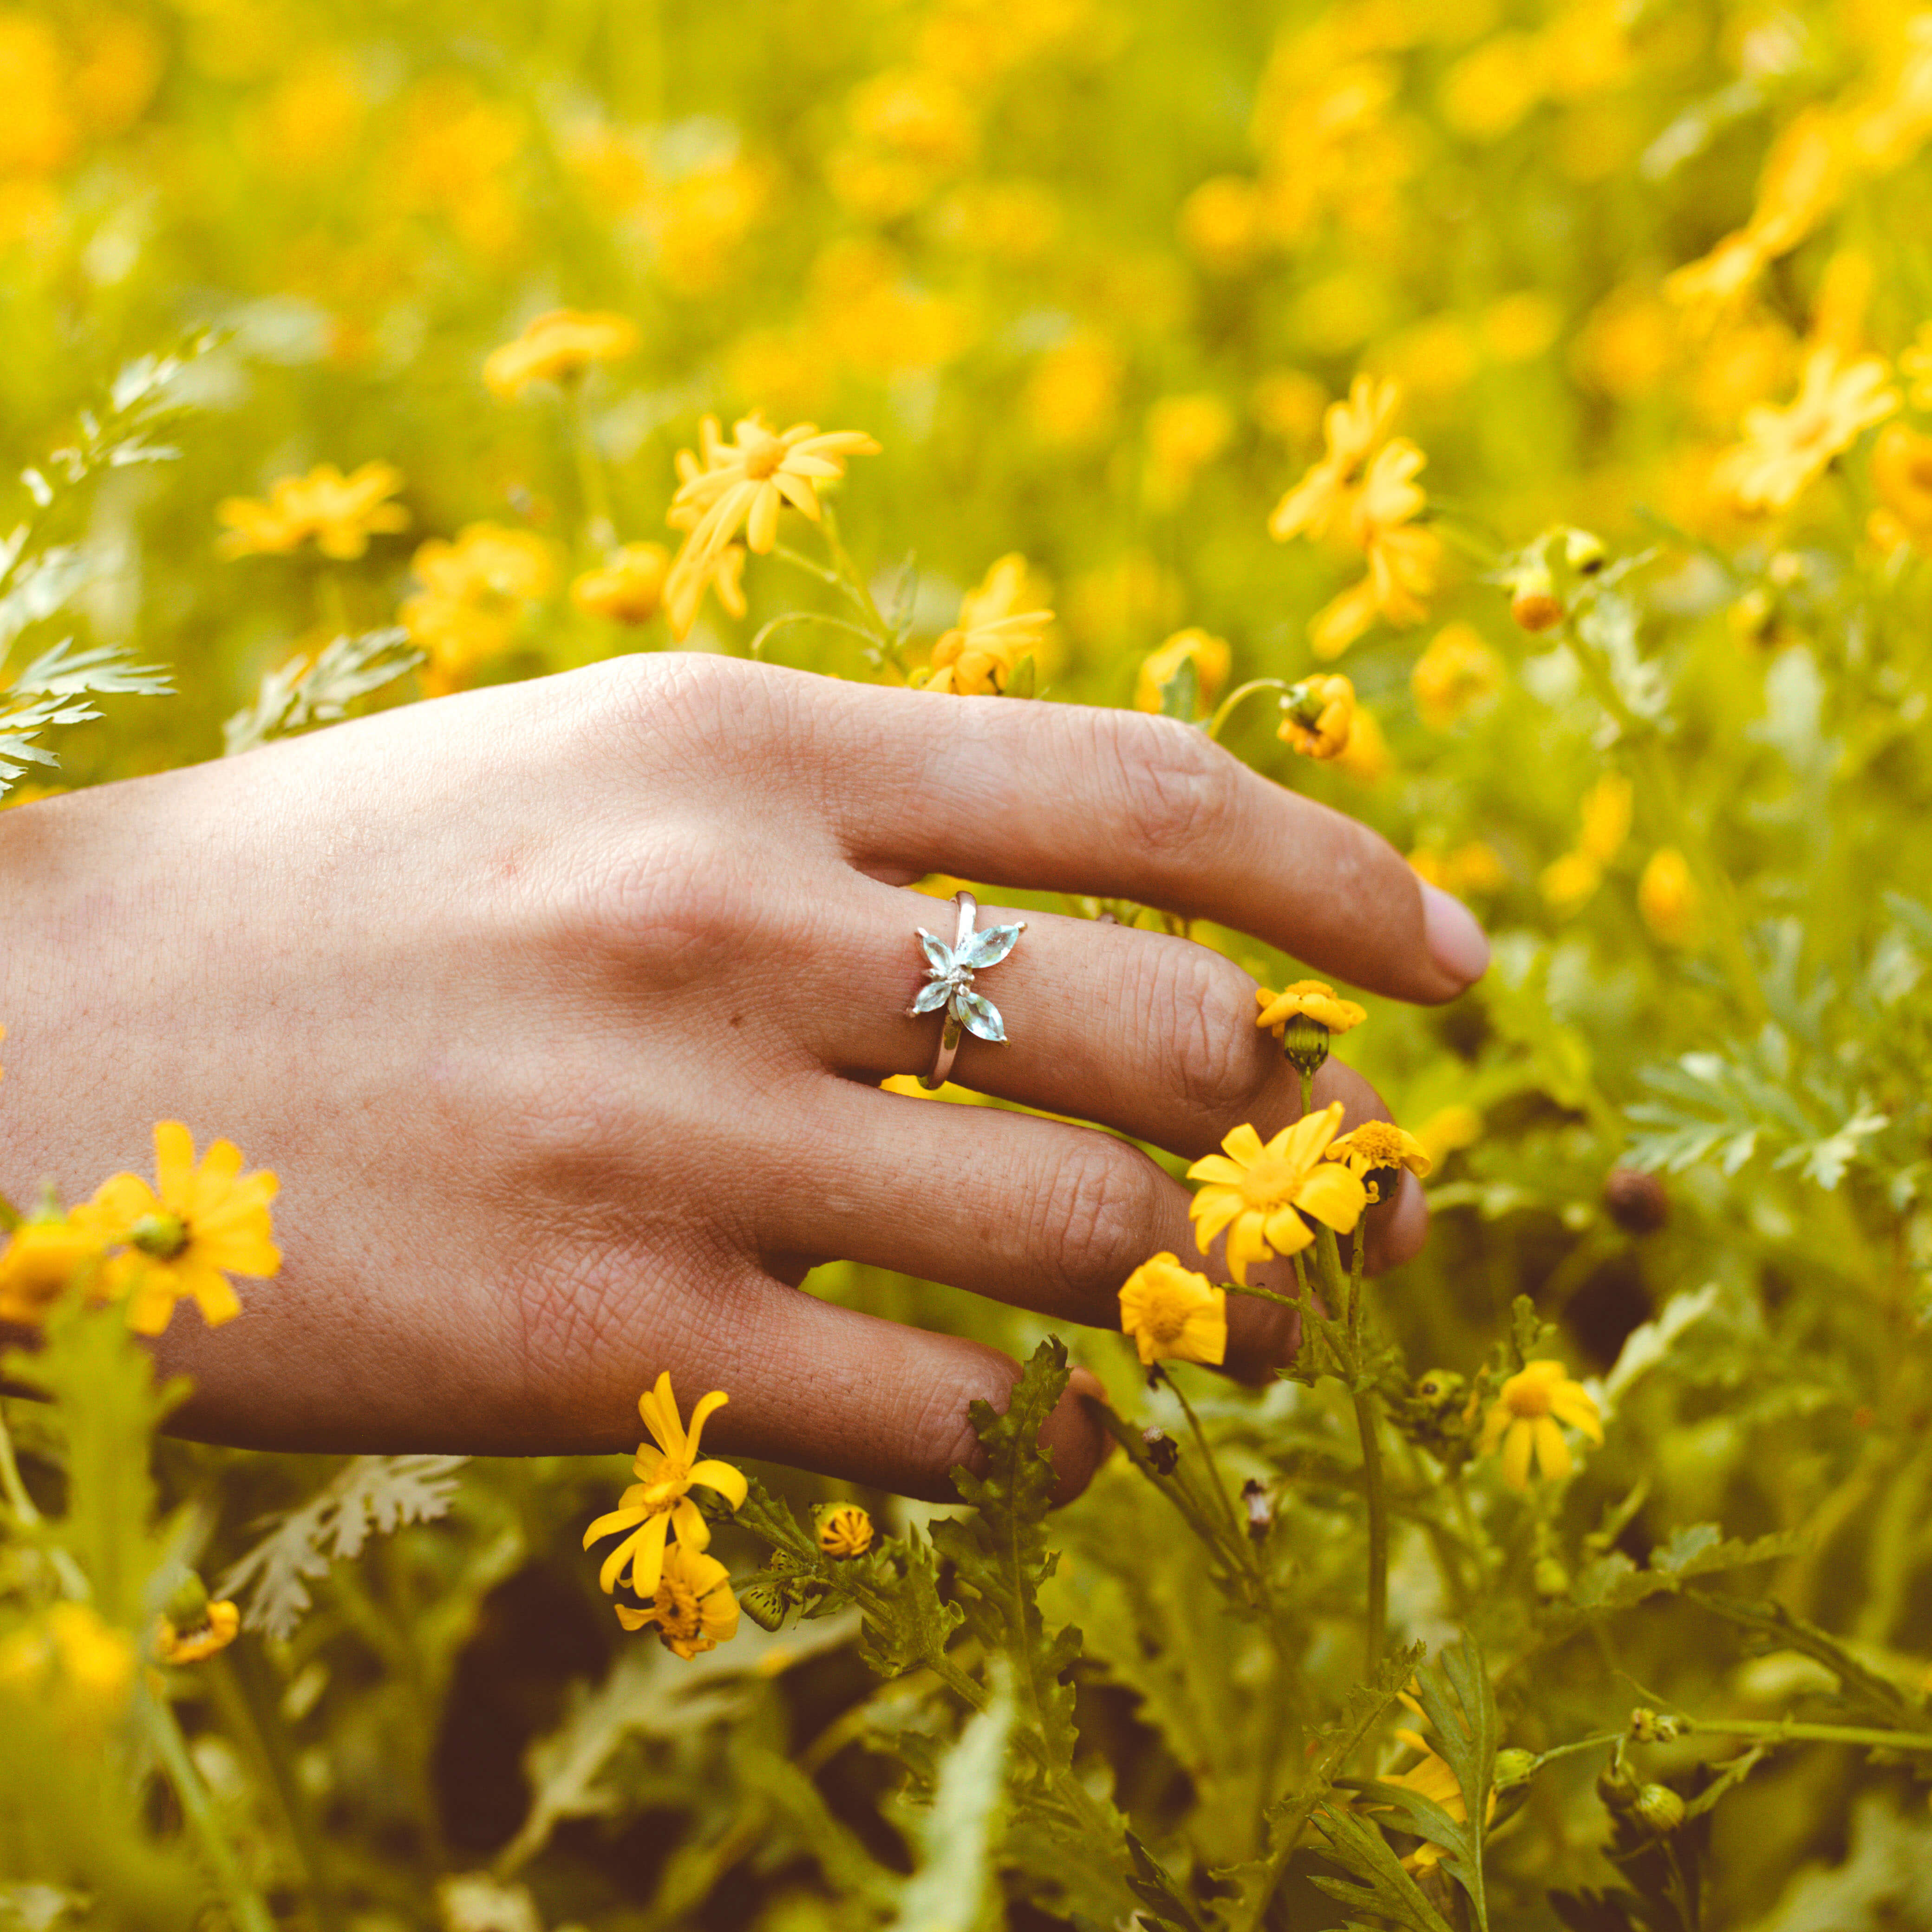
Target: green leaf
[
  {"x": 957, "y": 1836},
  {"x": 1378, "y": 1883},
  {"x": 1614, "y": 1583},
  {"x": 1180, "y": 696},
  {"x": 1455, "y": 1697},
  {"x": 1025, "y": 681}
]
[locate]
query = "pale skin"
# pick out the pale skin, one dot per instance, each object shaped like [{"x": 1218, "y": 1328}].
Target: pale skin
[{"x": 561, "y": 1009}]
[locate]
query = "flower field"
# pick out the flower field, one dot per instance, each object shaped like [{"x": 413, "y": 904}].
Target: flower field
[{"x": 1507, "y": 422}]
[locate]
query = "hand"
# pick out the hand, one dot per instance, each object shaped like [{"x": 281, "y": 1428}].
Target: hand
[{"x": 561, "y": 1009}]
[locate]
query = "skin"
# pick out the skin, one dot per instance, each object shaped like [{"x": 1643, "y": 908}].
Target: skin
[{"x": 560, "y": 1010}]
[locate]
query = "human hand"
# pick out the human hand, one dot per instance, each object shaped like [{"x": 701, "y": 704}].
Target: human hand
[{"x": 561, "y": 1007}]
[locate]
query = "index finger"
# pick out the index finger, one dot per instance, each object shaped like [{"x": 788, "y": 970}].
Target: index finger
[{"x": 1071, "y": 798}]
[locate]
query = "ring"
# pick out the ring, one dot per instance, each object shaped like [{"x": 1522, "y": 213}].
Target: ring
[{"x": 950, "y": 969}]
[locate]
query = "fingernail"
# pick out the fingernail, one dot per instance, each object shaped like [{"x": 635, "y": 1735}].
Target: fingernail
[{"x": 1456, "y": 943}]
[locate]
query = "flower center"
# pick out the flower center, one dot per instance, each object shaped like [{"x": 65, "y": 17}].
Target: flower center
[
  {"x": 163, "y": 1236},
  {"x": 672, "y": 1481},
  {"x": 763, "y": 453},
  {"x": 1270, "y": 1182},
  {"x": 1531, "y": 1400},
  {"x": 679, "y": 1611}
]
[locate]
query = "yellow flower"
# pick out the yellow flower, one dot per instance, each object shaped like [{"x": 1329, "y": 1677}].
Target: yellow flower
[
  {"x": 1403, "y": 559},
  {"x": 1457, "y": 672},
  {"x": 1567, "y": 882},
  {"x": 1259, "y": 1193},
  {"x": 557, "y": 348},
  {"x": 1365, "y": 757},
  {"x": 993, "y": 636},
  {"x": 844, "y": 1531},
  {"x": 1432, "y": 1779},
  {"x": 1523, "y": 1419},
  {"x": 1317, "y": 716},
  {"x": 476, "y": 591},
  {"x": 341, "y": 513},
  {"x": 1184, "y": 434},
  {"x": 1472, "y": 868},
  {"x": 692, "y": 1602},
  {"x": 75, "y": 1659},
  {"x": 742, "y": 485},
  {"x": 184, "y": 1236},
  {"x": 1309, "y": 999},
  {"x": 1667, "y": 897},
  {"x": 1379, "y": 1147},
  {"x": 1172, "y": 1314},
  {"x": 1352, "y": 428},
  {"x": 1210, "y": 657},
  {"x": 1606, "y": 817},
  {"x": 1784, "y": 450},
  {"x": 629, "y": 586},
  {"x": 658, "y": 1502},
  {"x": 1075, "y": 389},
  {"x": 1901, "y": 472},
  {"x": 38, "y": 1261},
  {"x": 216, "y": 1631}
]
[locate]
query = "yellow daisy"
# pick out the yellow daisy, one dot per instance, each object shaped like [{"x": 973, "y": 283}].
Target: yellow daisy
[
  {"x": 38, "y": 1260},
  {"x": 1317, "y": 716},
  {"x": 1260, "y": 1193},
  {"x": 1524, "y": 1416},
  {"x": 556, "y": 347},
  {"x": 658, "y": 1504},
  {"x": 1308, "y": 999},
  {"x": 692, "y": 1604},
  {"x": 844, "y": 1531},
  {"x": 341, "y": 513},
  {"x": 184, "y": 1236},
  {"x": 1172, "y": 1314},
  {"x": 1379, "y": 1147},
  {"x": 1783, "y": 450},
  {"x": 627, "y": 588}
]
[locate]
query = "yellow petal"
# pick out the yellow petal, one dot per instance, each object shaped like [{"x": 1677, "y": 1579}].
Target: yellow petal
[
  {"x": 1244, "y": 1144},
  {"x": 174, "y": 1164},
  {"x": 1210, "y": 1211},
  {"x": 1287, "y": 1233},
  {"x": 613, "y": 1565},
  {"x": 1571, "y": 1403},
  {"x": 729, "y": 1483},
  {"x": 659, "y": 1411},
  {"x": 1218, "y": 1168},
  {"x": 689, "y": 1524},
  {"x": 1331, "y": 1194},
  {"x": 760, "y": 527},
  {"x": 214, "y": 1296},
  {"x": 1516, "y": 1446},
  {"x": 610, "y": 1523},
  {"x": 708, "y": 1406},
  {"x": 1551, "y": 1451},
  {"x": 647, "y": 1565},
  {"x": 1302, "y": 1144}
]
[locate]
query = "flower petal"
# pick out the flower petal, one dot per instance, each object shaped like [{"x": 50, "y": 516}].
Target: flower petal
[
  {"x": 1517, "y": 1444},
  {"x": 174, "y": 1164},
  {"x": 688, "y": 1525},
  {"x": 647, "y": 1565},
  {"x": 613, "y": 1565},
  {"x": 1571, "y": 1403},
  {"x": 729, "y": 1483},
  {"x": 708, "y": 1406},
  {"x": 658, "y": 1408},
  {"x": 1551, "y": 1451},
  {"x": 1331, "y": 1194}
]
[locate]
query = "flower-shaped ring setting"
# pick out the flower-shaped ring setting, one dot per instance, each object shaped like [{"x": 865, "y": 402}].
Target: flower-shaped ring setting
[{"x": 949, "y": 971}]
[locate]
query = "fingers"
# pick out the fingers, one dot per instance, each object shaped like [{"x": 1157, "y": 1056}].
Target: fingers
[
  {"x": 1152, "y": 1036},
  {"x": 1067, "y": 798},
  {"x": 826, "y": 1388},
  {"x": 1040, "y": 1213}
]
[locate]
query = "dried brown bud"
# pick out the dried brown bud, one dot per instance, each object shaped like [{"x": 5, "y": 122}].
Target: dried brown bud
[
  {"x": 1259, "y": 1507},
  {"x": 1163, "y": 1451},
  {"x": 1636, "y": 1200}
]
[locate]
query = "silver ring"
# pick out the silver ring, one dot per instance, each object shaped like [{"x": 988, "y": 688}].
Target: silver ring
[{"x": 949, "y": 971}]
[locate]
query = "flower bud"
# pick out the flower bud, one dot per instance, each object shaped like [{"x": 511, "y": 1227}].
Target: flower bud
[
  {"x": 1659, "y": 1808},
  {"x": 1637, "y": 1201},
  {"x": 1305, "y": 1041},
  {"x": 1163, "y": 1451},
  {"x": 1550, "y": 1579},
  {"x": 1514, "y": 1767},
  {"x": 163, "y": 1236},
  {"x": 1654, "y": 1727},
  {"x": 1441, "y": 1386},
  {"x": 844, "y": 1531},
  {"x": 1583, "y": 551},
  {"x": 1317, "y": 715},
  {"x": 1534, "y": 603},
  {"x": 1261, "y": 1509}
]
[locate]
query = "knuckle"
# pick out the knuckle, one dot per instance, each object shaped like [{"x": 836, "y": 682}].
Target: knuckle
[
  {"x": 670, "y": 907},
  {"x": 1200, "y": 1008},
  {"x": 1177, "y": 787},
  {"x": 1097, "y": 1216}
]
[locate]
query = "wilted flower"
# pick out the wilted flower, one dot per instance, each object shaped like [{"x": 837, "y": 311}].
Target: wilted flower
[
  {"x": 691, "y": 1602},
  {"x": 1317, "y": 715},
  {"x": 219, "y": 1625},
  {"x": 1172, "y": 1314},
  {"x": 658, "y": 1504}
]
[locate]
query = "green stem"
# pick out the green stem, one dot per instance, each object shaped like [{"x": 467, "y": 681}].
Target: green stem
[
  {"x": 848, "y": 572},
  {"x": 600, "y": 531},
  {"x": 74, "y": 1584},
  {"x": 1212, "y": 1467},
  {"x": 1780, "y": 1730},
  {"x": 1225, "y": 709},
  {"x": 1367, "y": 1422},
  {"x": 244, "y": 1904}
]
